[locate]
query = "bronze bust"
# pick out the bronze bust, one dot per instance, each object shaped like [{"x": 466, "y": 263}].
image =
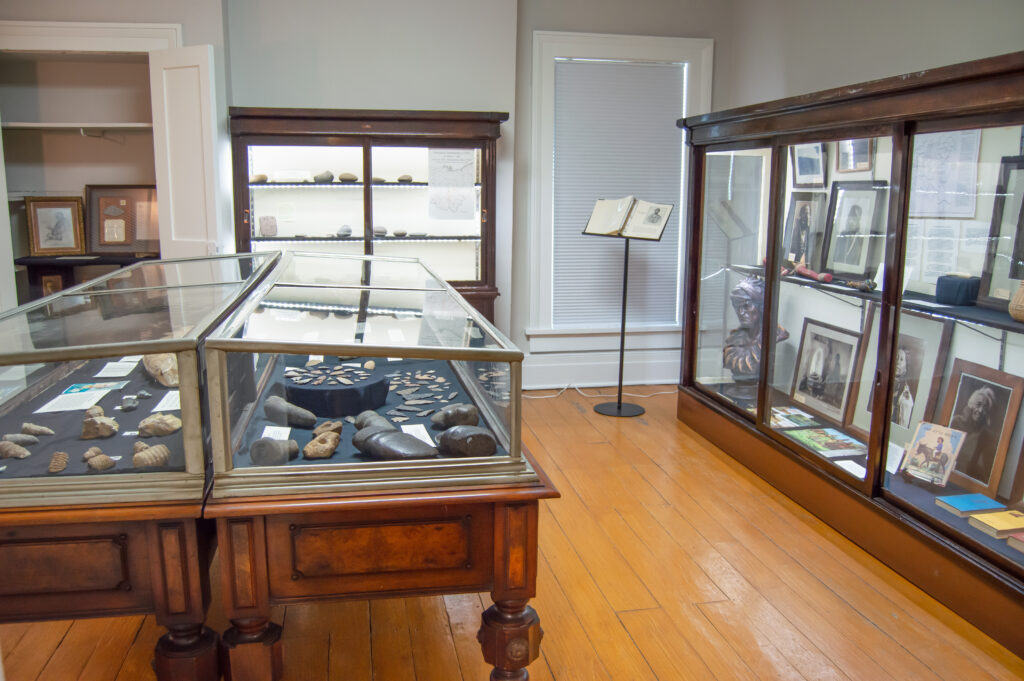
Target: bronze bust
[{"x": 741, "y": 354}]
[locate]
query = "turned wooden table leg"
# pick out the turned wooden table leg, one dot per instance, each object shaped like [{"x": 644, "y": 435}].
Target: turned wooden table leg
[
  {"x": 187, "y": 652},
  {"x": 510, "y": 632},
  {"x": 252, "y": 651},
  {"x": 510, "y": 636}
]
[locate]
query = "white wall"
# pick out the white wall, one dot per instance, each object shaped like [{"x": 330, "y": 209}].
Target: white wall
[{"x": 387, "y": 54}]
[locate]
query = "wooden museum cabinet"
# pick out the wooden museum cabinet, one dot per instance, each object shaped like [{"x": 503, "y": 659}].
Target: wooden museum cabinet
[
  {"x": 98, "y": 104},
  {"x": 855, "y": 257},
  {"x": 393, "y": 183}
]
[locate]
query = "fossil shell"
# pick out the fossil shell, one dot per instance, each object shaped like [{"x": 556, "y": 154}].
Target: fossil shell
[
  {"x": 163, "y": 368},
  {"x": 9, "y": 450},
  {"x": 33, "y": 429},
  {"x": 22, "y": 439},
  {"x": 91, "y": 452},
  {"x": 58, "y": 462},
  {"x": 156, "y": 455},
  {"x": 97, "y": 427},
  {"x": 323, "y": 446},
  {"x": 159, "y": 424},
  {"x": 139, "y": 445},
  {"x": 93, "y": 411},
  {"x": 101, "y": 462}
]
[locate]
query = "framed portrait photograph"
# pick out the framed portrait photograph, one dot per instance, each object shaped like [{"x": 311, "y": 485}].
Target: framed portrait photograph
[
  {"x": 854, "y": 156},
  {"x": 1004, "y": 252},
  {"x": 917, "y": 373},
  {"x": 932, "y": 453},
  {"x": 805, "y": 228},
  {"x": 809, "y": 163},
  {"x": 855, "y": 229},
  {"x": 122, "y": 219},
  {"x": 824, "y": 372},
  {"x": 983, "y": 403},
  {"x": 55, "y": 225},
  {"x": 51, "y": 283}
]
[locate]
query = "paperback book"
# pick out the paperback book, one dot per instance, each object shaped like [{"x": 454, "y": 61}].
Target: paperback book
[
  {"x": 1000, "y": 524},
  {"x": 1016, "y": 541},
  {"x": 963, "y": 505}
]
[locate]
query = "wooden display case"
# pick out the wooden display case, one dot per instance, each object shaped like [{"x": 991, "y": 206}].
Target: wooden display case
[
  {"x": 395, "y": 183},
  {"x": 823, "y": 350}
]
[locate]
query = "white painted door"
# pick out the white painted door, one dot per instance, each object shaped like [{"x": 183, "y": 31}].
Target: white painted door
[
  {"x": 185, "y": 141},
  {"x": 8, "y": 292}
]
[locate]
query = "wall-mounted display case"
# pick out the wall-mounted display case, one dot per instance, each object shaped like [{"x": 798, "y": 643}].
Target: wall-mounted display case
[
  {"x": 853, "y": 258},
  {"x": 393, "y": 183}
]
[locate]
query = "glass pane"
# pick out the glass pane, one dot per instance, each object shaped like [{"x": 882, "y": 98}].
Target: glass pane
[
  {"x": 731, "y": 296},
  {"x": 307, "y": 192},
  {"x": 426, "y": 204},
  {"x": 832, "y": 245},
  {"x": 180, "y": 273},
  {"x": 954, "y": 450},
  {"x": 355, "y": 271}
]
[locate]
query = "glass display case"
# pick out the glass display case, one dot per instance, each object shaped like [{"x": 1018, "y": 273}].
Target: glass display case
[
  {"x": 856, "y": 295},
  {"x": 358, "y": 372},
  {"x": 101, "y": 385},
  {"x": 394, "y": 183}
]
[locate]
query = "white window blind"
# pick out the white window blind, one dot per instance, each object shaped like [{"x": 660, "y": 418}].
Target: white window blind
[{"x": 615, "y": 135}]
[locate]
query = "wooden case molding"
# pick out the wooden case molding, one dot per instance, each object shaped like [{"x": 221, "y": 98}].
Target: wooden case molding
[{"x": 981, "y": 587}]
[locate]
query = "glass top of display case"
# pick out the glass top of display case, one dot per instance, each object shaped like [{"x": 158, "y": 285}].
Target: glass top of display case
[
  {"x": 315, "y": 269},
  {"x": 151, "y": 307}
]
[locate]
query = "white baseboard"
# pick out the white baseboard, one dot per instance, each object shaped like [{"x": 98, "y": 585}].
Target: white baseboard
[{"x": 589, "y": 369}]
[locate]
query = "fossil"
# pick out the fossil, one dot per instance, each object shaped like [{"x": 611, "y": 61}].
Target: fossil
[
  {"x": 33, "y": 429},
  {"x": 101, "y": 462},
  {"x": 162, "y": 367},
  {"x": 21, "y": 439},
  {"x": 91, "y": 452},
  {"x": 157, "y": 455},
  {"x": 94, "y": 410},
  {"x": 9, "y": 450},
  {"x": 139, "y": 445},
  {"x": 159, "y": 424},
  {"x": 58, "y": 462},
  {"x": 98, "y": 427}
]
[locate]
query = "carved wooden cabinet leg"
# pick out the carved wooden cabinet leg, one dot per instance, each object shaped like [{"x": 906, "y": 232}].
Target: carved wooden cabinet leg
[
  {"x": 510, "y": 636},
  {"x": 251, "y": 651},
  {"x": 187, "y": 652}
]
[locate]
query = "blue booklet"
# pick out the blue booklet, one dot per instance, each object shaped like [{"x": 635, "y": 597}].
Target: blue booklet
[{"x": 964, "y": 505}]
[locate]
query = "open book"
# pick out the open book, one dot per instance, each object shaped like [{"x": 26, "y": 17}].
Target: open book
[{"x": 629, "y": 217}]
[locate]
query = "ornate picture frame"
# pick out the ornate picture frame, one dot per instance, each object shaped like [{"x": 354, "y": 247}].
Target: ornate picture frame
[
  {"x": 55, "y": 225},
  {"x": 122, "y": 219}
]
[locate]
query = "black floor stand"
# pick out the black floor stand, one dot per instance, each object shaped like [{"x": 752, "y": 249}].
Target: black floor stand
[{"x": 617, "y": 408}]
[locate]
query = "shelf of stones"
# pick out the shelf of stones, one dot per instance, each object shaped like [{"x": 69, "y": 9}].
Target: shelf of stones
[
  {"x": 409, "y": 238},
  {"x": 333, "y": 185}
]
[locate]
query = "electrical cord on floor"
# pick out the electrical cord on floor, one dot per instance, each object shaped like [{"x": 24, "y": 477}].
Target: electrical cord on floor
[{"x": 577, "y": 389}]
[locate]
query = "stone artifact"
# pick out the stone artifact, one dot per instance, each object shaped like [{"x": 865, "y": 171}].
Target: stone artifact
[
  {"x": 95, "y": 410},
  {"x": 347, "y": 177},
  {"x": 329, "y": 427},
  {"x": 324, "y": 177},
  {"x": 159, "y": 424},
  {"x": 405, "y": 178},
  {"x": 91, "y": 452},
  {"x": 101, "y": 462},
  {"x": 58, "y": 462},
  {"x": 344, "y": 231},
  {"x": 270, "y": 452},
  {"x": 129, "y": 403},
  {"x": 380, "y": 231},
  {"x": 143, "y": 394},
  {"x": 268, "y": 225},
  {"x": 377, "y": 180},
  {"x": 162, "y": 368},
  {"x": 370, "y": 365},
  {"x": 400, "y": 232},
  {"x": 33, "y": 429},
  {"x": 157, "y": 455},
  {"x": 462, "y": 441},
  {"x": 741, "y": 354},
  {"x": 284, "y": 413},
  {"x": 96, "y": 427},
  {"x": 258, "y": 178},
  {"x": 139, "y": 445},
  {"x": 322, "y": 446},
  {"x": 370, "y": 418},
  {"x": 457, "y": 414},
  {"x": 391, "y": 445},
  {"x": 9, "y": 450},
  {"x": 22, "y": 439}
]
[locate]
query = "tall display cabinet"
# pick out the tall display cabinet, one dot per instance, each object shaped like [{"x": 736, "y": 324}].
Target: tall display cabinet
[
  {"x": 393, "y": 183},
  {"x": 855, "y": 257}
]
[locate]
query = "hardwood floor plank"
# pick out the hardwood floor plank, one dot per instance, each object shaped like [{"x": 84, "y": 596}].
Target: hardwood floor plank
[
  {"x": 112, "y": 647},
  {"x": 10, "y": 635},
  {"x": 389, "y": 641},
  {"x": 464, "y": 612},
  {"x": 138, "y": 663},
  {"x": 664, "y": 648},
  {"x": 33, "y": 652},
  {"x": 618, "y": 486},
  {"x": 350, "y": 654},
  {"x": 430, "y": 635},
  {"x": 69, "y": 660},
  {"x": 305, "y": 658}
]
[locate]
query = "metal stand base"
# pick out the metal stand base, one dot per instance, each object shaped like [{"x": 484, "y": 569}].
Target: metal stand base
[{"x": 619, "y": 409}]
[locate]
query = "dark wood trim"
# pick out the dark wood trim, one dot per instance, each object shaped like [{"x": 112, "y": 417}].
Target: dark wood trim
[{"x": 984, "y": 595}]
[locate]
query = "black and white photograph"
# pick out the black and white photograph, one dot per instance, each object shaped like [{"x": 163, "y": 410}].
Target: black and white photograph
[
  {"x": 55, "y": 225},
  {"x": 855, "y": 229},
  {"x": 805, "y": 227},
  {"x": 825, "y": 368},
  {"x": 983, "y": 403},
  {"x": 809, "y": 162},
  {"x": 854, "y": 155}
]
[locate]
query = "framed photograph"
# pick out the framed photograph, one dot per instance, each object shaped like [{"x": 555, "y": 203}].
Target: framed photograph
[
  {"x": 825, "y": 369},
  {"x": 809, "y": 162},
  {"x": 983, "y": 403},
  {"x": 55, "y": 225},
  {"x": 51, "y": 283},
  {"x": 932, "y": 453},
  {"x": 855, "y": 229},
  {"x": 805, "y": 228},
  {"x": 1004, "y": 253},
  {"x": 122, "y": 219},
  {"x": 854, "y": 156},
  {"x": 917, "y": 373}
]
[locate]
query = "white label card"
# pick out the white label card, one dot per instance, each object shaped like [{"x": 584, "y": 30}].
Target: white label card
[
  {"x": 131, "y": 358},
  {"x": 170, "y": 402},
  {"x": 277, "y": 432},
  {"x": 418, "y": 430},
  {"x": 116, "y": 369},
  {"x": 72, "y": 401},
  {"x": 316, "y": 359}
]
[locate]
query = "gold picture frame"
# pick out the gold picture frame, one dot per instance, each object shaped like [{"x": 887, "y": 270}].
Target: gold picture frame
[{"x": 55, "y": 225}]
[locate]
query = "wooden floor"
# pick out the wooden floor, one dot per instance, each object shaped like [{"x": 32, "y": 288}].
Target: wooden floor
[{"x": 663, "y": 559}]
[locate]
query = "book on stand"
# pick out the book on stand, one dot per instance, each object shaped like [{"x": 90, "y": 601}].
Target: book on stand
[
  {"x": 964, "y": 505},
  {"x": 629, "y": 217}
]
